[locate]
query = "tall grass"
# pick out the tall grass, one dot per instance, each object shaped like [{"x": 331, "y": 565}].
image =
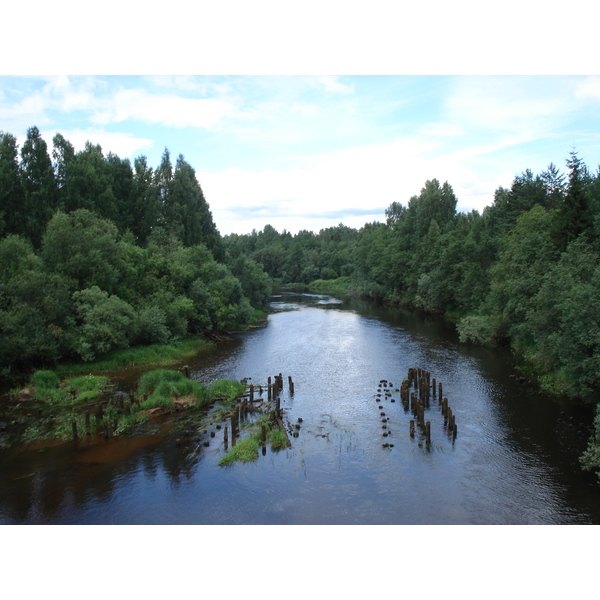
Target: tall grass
[
  {"x": 76, "y": 389},
  {"x": 226, "y": 388},
  {"x": 164, "y": 385},
  {"x": 244, "y": 451},
  {"x": 154, "y": 354}
]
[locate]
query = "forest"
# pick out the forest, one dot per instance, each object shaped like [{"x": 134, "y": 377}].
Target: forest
[{"x": 98, "y": 254}]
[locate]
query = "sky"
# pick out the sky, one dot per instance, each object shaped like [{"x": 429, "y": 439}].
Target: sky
[{"x": 290, "y": 135}]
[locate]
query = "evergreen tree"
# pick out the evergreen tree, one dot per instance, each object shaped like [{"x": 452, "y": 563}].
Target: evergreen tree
[
  {"x": 574, "y": 217},
  {"x": 37, "y": 176},
  {"x": 12, "y": 196}
]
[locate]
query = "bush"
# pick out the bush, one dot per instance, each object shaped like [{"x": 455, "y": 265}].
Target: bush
[
  {"x": 476, "y": 329},
  {"x": 164, "y": 385},
  {"x": 45, "y": 380}
]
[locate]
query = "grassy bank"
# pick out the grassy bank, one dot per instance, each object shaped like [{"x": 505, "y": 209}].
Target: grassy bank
[{"x": 161, "y": 355}]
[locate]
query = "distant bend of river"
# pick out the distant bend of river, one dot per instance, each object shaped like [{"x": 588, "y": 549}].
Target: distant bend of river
[{"x": 514, "y": 460}]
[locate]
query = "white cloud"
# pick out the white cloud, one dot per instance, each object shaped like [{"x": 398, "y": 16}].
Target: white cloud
[
  {"x": 589, "y": 88},
  {"x": 508, "y": 104},
  {"x": 333, "y": 85},
  {"x": 442, "y": 129},
  {"x": 168, "y": 109}
]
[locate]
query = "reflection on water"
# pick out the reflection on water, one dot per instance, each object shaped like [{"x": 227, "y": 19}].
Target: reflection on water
[{"x": 511, "y": 462}]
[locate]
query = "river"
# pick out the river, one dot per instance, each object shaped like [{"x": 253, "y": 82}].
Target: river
[{"x": 514, "y": 459}]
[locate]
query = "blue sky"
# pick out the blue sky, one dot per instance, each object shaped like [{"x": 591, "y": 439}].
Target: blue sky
[{"x": 310, "y": 151}]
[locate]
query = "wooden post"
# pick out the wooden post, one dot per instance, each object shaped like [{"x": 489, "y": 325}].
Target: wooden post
[
  {"x": 440, "y": 389},
  {"x": 428, "y": 432},
  {"x": 105, "y": 431},
  {"x": 412, "y": 428},
  {"x": 251, "y": 393},
  {"x": 269, "y": 388},
  {"x": 433, "y": 386},
  {"x": 263, "y": 429}
]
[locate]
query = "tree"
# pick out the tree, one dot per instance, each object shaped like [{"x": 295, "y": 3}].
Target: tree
[
  {"x": 85, "y": 248},
  {"x": 574, "y": 216},
  {"x": 105, "y": 322},
  {"x": 37, "y": 177},
  {"x": 12, "y": 195}
]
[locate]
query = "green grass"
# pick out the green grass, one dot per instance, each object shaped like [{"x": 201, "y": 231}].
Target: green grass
[
  {"x": 341, "y": 284},
  {"x": 244, "y": 451},
  {"x": 45, "y": 380},
  {"x": 163, "y": 386},
  {"x": 226, "y": 388},
  {"x": 76, "y": 389},
  {"x": 278, "y": 439},
  {"x": 154, "y": 354}
]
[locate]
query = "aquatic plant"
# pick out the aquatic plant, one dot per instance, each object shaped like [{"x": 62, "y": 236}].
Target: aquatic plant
[
  {"x": 226, "y": 388},
  {"x": 278, "y": 439},
  {"x": 244, "y": 451}
]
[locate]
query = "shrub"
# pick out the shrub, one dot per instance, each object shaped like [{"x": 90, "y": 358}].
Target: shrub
[{"x": 45, "y": 380}]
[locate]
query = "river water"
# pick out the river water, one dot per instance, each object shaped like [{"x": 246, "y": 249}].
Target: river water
[{"x": 513, "y": 461}]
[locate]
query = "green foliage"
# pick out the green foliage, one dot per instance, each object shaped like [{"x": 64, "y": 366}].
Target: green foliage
[
  {"x": 476, "y": 328},
  {"x": 244, "y": 451},
  {"x": 76, "y": 389},
  {"x": 107, "y": 322},
  {"x": 590, "y": 459},
  {"x": 163, "y": 386},
  {"x": 44, "y": 380},
  {"x": 226, "y": 388},
  {"x": 278, "y": 439}
]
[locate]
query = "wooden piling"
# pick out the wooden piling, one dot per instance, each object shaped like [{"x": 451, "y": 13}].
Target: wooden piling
[
  {"x": 225, "y": 438},
  {"x": 428, "y": 432},
  {"x": 440, "y": 389},
  {"x": 251, "y": 393},
  {"x": 412, "y": 428},
  {"x": 433, "y": 387}
]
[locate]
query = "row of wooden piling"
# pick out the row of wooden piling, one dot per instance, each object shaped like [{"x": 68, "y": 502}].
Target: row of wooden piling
[{"x": 425, "y": 388}]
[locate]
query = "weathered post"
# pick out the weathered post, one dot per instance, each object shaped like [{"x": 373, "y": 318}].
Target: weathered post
[
  {"x": 433, "y": 387},
  {"x": 251, "y": 393},
  {"x": 412, "y": 428},
  {"x": 225, "y": 438},
  {"x": 428, "y": 432},
  {"x": 440, "y": 389},
  {"x": 269, "y": 388}
]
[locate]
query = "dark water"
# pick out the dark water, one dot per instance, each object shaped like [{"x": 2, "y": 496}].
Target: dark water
[{"x": 514, "y": 461}]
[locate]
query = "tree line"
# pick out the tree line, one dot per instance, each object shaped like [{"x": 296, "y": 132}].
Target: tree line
[{"x": 97, "y": 255}]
